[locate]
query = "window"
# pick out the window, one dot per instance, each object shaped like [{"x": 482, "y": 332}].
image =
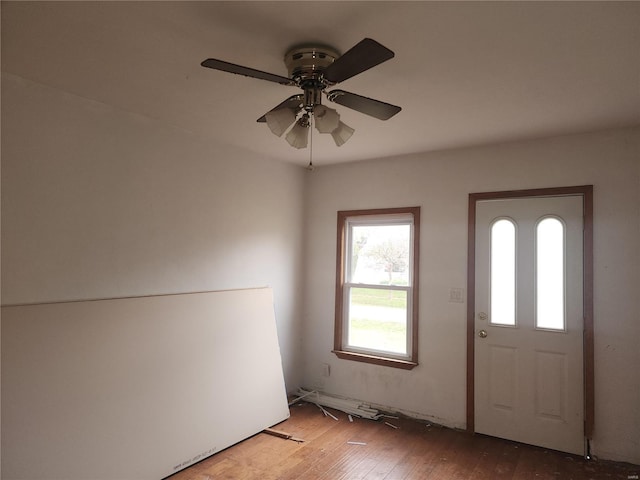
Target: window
[{"x": 376, "y": 286}]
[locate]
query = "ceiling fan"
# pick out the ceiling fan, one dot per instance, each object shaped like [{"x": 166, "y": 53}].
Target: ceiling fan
[{"x": 314, "y": 69}]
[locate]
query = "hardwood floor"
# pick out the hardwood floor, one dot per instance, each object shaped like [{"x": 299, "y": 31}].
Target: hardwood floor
[{"x": 415, "y": 450}]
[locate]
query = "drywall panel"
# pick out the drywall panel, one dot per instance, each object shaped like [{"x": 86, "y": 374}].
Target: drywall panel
[{"x": 136, "y": 388}]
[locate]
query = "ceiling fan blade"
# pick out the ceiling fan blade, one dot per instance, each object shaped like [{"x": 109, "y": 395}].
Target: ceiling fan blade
[
  {"x": 368, "y": 106},
  {"x": 362, "y": 56},
  {"x": 293, "y": 103},
  {"x": 246, "y": 71}
]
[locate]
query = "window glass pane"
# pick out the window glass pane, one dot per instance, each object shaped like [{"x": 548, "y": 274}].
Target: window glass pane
[
  {"x": 380, "y": 254},
  {"x": 378, "y": 319},
  {"x": 550, "y": 274},
  {"x": 503, "y": 273}
]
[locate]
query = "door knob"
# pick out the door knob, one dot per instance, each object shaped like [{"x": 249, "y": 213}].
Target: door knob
[{"x": 482, "y": 334}]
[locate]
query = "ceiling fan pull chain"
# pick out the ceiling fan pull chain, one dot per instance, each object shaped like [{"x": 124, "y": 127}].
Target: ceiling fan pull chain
[{"x": 311, "y": 123}]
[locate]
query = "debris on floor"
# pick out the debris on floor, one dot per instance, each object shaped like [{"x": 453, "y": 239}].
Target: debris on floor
[
  {"x": 301, "y": 396},
  {"x": 281, "y": 434},
  {"x": 326, "y": 413},
  {"x": 350, "y": 407}
]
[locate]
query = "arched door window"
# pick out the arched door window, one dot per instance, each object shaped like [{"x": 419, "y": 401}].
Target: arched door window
[
  {"x": 503, "y": 273},
  {"x": 550, "y": 274}
]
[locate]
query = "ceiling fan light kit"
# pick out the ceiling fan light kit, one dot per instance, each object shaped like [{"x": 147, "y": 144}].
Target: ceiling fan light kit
[
  {"x": 314, "y": 69},
  {"x": 280, "y": 120},
  {"x": 326, "y": 119},
  {"x": 298, "y": 136},
  {"x": 342, "y": 134}
]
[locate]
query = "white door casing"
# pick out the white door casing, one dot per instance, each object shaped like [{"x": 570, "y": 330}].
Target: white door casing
[{"x": 529, "y": 384}]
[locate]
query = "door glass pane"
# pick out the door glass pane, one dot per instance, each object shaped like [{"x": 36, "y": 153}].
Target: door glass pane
[
  {"x": 550, "y": 274},
  {"x": 503, "y": 273},
  {"x": 378, "y": 319}
]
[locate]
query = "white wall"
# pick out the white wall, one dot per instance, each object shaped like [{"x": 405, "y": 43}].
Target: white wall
[
  {"x": 440, "y": 182},
  {"x": 101, "y": 203}
]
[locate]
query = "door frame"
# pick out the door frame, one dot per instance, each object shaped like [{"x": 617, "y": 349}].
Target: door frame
[{"x": 588, "y": 346}]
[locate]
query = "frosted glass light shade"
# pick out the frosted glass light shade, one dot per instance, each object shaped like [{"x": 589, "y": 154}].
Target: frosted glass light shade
[
  {"x": 326, "y": 119},
  {"x": 279, "y": 120},
  {"x": 298, "y": 136},
  {"x": 342, "y": 134}
]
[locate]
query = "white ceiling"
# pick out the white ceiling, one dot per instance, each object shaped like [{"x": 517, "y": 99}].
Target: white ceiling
[{"x": 464, "y": 73}]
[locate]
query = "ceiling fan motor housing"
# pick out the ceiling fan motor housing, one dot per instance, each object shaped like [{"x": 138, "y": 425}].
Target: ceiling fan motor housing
[{"x": 306, "y": 64}]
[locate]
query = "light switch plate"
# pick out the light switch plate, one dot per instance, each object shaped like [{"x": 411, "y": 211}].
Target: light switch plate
[{"x": 456, "y": 295}]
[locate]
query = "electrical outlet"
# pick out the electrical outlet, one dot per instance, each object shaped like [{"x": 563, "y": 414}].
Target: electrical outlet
[{"x": 326, "y": 370}]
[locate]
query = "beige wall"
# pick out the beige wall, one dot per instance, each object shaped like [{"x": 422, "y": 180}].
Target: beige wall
[{"x": 440, "y": 182}]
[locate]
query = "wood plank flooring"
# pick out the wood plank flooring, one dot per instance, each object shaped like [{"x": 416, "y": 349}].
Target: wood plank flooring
[{"x": 414, "y": 451}]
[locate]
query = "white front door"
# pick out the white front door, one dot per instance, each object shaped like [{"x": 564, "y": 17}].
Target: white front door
[{"x": 529, "y": 321}]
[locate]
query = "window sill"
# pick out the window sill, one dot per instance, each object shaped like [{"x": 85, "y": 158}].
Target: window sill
[{"x": 376, "y": 360}]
